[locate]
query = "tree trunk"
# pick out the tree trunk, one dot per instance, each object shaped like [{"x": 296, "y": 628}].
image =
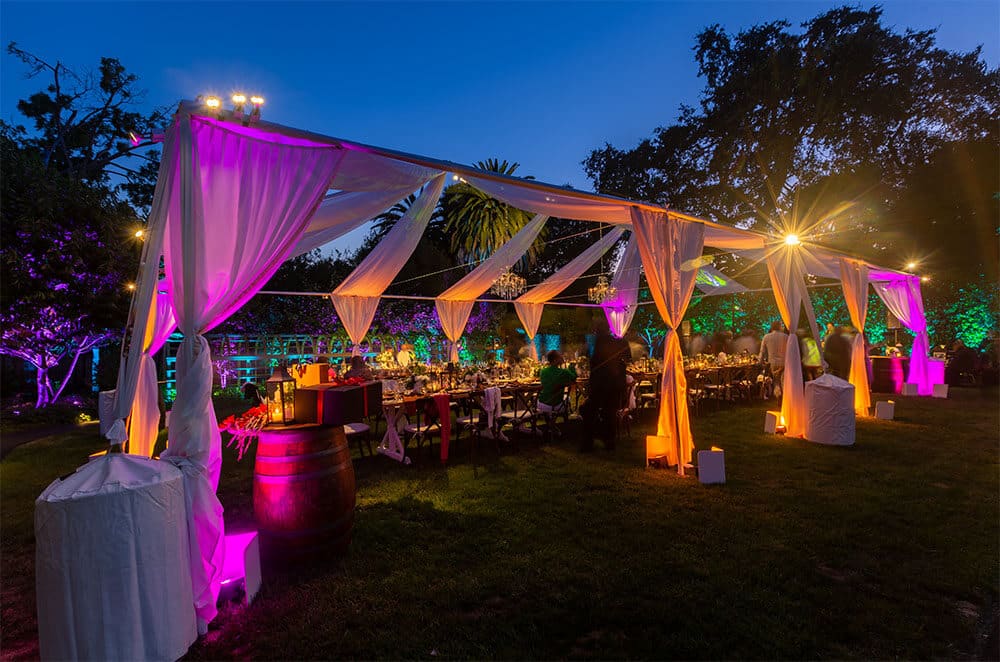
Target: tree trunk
[
  {"x": 69, "y": 373},
  {"x": 43, "y": 388}
]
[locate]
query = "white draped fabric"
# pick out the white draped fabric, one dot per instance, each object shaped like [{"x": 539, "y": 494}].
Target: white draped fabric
[
  {"x": 854, "y": 280},
  {"x": 784, "y": 268},
  {"x": 144, "y": 302},
  {"x": 666, "y": 245},
  {"x": 620, "y": 310},
  {"x": 530, "y": 304},
  {"x": 454, "y": 305},
  {"x": 902, "y": 298},
  {"x": 345, "y": 211},
  {"x": 237, "y": 211},
  {"x": 554, "y": 204},
  {"x": 356, "y": 298}
]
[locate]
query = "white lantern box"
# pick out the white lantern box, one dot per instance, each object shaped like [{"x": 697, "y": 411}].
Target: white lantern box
[
  {"x": 910, "y": 389},
  {"x": 774, "y": 422},
  {"x": 885, "y": 411},
  {"x": 712, "y": 466},
  {"x": 940, "y": 391}
]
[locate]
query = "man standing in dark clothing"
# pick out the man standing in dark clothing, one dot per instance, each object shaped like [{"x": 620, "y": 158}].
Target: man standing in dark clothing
[{"x": 606, "y": 390}]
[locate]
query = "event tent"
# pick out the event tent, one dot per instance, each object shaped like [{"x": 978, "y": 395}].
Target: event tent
[{"x": 234, "y": 201}]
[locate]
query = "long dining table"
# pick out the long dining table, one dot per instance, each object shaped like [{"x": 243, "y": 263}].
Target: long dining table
[{"x": 398, "y": 408}]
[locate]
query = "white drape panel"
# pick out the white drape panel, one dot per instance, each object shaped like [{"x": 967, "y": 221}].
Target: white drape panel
[
  {"x": 144, "y": 301},
  {"x": 454, "y": 305},
  {"x": 530, "y": 304},
  {"x": 144, "y": 418},
  {"x": 364, "y": 171},
  {"x": 553, "y": 204},
  {"x": 854, "y": 280},
  {"x": 238, "y": 209},
  {"x": 724, "y": 238},
  {"x": 620, "y": 310},
  {"x": 356, "y": 298},
  {"x": 345, "y": 211},
  {"x": 903, "y": 299},
  {"x": 665, "y": 245},
  {"x": 784, "y": 268}
]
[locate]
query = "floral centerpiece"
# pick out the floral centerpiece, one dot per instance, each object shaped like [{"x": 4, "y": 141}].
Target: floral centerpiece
[{"x": 245, "y": 427}]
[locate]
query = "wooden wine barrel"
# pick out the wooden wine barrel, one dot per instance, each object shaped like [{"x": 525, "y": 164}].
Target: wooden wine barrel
[{"x": 303, "y": 491}]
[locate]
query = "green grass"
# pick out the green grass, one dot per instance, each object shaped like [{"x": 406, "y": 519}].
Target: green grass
[{"x": 885, "y": 549}]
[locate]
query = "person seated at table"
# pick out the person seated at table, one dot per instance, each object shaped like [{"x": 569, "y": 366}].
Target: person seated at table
[
  {"x": 554, "y": 379},
  {"x": 359, "y": 369}
]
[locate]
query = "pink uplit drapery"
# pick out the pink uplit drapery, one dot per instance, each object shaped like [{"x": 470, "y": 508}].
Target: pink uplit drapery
[
  {"x": 854, "y": 280},
  {"x": 529, "y": 306},
  {"x": 356, "y": 298},
  {"x": 238, "y": 208},
  {"x": 454, "y": 305},
  {"x": 620, "y": 309},
  {"x": 666, "y": 246},
  {"x": 784, "y": 268},
  {"x": 903, "y": 299}
]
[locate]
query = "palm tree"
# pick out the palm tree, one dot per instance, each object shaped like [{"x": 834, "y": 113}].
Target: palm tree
[
  {"x": 385, "y": 221},
  {"x": 476, "y": 225}
]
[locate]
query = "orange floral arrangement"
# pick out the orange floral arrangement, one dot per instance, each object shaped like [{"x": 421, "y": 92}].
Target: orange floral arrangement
[{"x": 245, "y": 427}]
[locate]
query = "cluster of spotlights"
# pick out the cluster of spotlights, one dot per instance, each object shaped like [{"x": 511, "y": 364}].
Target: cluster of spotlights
[
  {"x": 240, "y": 100},
  {"x": 910, "y": 266}
]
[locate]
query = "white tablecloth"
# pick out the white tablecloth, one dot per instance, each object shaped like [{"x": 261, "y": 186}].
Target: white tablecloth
[
  {"x": 830, "y": 403},
  {"x": 112, "y": 569}
]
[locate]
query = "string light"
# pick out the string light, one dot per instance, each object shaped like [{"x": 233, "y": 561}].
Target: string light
[
  {"x": 924, "y": 279},
  {"x": 910, "y": 266},
  {"x": 139, "y": 234},
  {"x": 130, "y": 287},
  {"x": 792, "y": 240}
]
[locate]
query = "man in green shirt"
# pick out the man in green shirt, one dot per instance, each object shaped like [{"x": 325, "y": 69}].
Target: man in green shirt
[{"x": 554, "y": 382}]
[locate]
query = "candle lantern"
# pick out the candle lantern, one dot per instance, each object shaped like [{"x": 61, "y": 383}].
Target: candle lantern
[{"x": 280, "y": 397}]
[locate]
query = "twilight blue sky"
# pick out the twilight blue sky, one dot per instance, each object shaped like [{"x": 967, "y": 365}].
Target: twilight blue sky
[{"x": 537, "y": 83}]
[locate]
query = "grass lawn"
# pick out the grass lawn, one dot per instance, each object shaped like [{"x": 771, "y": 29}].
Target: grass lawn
[{"x": 885, "y": 549}]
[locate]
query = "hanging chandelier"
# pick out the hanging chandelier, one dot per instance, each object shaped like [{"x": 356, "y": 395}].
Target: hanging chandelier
[
  {"x": 509, "y": 285},
  {"x": 602, "y": 291}
]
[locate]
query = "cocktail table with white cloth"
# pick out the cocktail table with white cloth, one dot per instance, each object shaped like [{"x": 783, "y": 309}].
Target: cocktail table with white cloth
[
  {"x": 112, "y": 564},
  {"x": 830, "y": 406}
]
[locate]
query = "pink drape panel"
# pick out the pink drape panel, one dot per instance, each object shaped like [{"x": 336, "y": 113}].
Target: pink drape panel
[
  {"x": 356, "y": 298},
  {"x": 238, "y": 208},
  {"x": 530, "y": 304},
  {"x": 454, "y": 305},
  {"x": 854, "y": 280},
  {"x": 784, "y": 268},
  {"x": 903, "y": 299},
  {"x": 665, "y": 245},
  {"x": 620, "y": 310}
]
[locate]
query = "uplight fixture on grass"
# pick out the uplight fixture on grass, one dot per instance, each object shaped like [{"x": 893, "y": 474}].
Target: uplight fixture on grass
[{"x": 280, "y": 397}]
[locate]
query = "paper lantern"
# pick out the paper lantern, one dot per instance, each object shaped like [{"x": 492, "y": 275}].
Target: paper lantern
[
  {"x": 280, "y": 397},
  {"x": 885, "y": 411},
  {"x": 712, "y": 466},
  {"x": 774, "y": 422}
]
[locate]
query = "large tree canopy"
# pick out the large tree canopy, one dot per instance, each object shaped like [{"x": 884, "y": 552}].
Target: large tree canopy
[{"x": 828, "y": 129}]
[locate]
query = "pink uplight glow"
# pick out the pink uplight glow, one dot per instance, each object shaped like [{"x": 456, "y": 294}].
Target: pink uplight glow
[{"x": 234, "y": 568}]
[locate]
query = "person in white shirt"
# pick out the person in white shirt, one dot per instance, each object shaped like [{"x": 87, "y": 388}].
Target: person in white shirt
[{"x": 772, "y": 352}]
